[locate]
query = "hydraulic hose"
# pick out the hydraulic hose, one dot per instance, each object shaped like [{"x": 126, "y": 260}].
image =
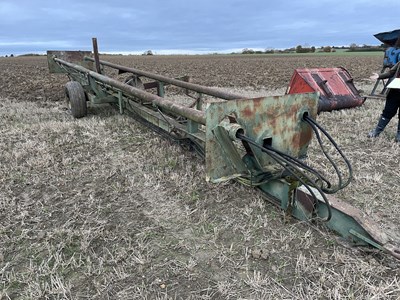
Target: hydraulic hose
[
  {"x": 315, "y": 127},
  {"x": 293, "y": 170}
]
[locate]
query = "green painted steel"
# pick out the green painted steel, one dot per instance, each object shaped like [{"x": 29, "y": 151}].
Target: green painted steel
[
  {"x": 164, "y": 103},
  {"x": 367, "y": 240},
  {"x": 272, "y": 121},
  {"x": 121, "y": 103},
  {"x": 160, "y": 89},
  {"x": 229, "y": 158},
  {"x": 275, "y": 120}
]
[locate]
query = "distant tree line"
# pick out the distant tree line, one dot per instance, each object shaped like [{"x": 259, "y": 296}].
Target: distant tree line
[
  {"x": 251, "y": 51},
  {"x": 365, "y": 48},
  {"x": 325, "y": 49},
  {"x": 301, "y": 49},
  {"x": 27, "y": 54}
]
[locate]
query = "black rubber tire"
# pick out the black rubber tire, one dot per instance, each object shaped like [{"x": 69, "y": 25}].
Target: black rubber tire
[{"x": 76, "y": 99}]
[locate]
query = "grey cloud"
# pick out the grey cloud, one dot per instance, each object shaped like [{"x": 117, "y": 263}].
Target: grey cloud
[{"x": 32, "y": 26}]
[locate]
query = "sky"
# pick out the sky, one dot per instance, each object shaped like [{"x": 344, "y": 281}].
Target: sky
[{"x": 189, "y": 26}]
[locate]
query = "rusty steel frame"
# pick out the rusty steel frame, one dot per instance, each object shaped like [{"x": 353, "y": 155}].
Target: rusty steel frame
[
  {"x": 187, "y": 85},
  {"x": 215, "y": 132},
  {"x": 190, "y": 113}
]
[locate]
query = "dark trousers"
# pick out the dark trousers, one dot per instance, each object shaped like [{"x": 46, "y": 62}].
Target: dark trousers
[{"x": 392, "y": 104}]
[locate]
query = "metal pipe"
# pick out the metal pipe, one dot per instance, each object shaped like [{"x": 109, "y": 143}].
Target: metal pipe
[
  {"x": 96, "y": 55},
  {"x": 190, "y": 113},
  {"x": 187, "y": 85}
]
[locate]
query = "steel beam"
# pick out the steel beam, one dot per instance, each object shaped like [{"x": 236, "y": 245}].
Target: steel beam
[{"x": 187, "y": 85}]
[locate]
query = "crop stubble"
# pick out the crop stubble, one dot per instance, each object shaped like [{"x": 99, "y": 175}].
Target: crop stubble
[{"x": 102, "y": 207}]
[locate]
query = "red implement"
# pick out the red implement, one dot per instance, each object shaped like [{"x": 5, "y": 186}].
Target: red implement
[{"x": 336, "y": 87}]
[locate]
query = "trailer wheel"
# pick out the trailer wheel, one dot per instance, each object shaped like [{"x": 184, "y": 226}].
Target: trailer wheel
[
  {"x": 135, "y": 81},
  {"x": 76, "y": 99}
]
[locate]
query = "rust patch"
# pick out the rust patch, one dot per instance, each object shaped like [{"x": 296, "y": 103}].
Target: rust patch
[
  {"x": 272, "y": 124},
  {"x": 295, "y": 141},
  {"x": 257, "y": 104},
  {"x": 248, "y": 112},
  {"x": 305, "y": 137},
  {"x": 306, "y": 201}
]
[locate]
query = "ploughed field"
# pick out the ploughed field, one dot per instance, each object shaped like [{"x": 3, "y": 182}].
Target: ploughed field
[{"x": 103, "y": 208}]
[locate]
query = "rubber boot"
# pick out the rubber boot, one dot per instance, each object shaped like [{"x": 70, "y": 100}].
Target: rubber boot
[
  {"x": 398, "y": 133},
  {"x": 379, "y": 128}
]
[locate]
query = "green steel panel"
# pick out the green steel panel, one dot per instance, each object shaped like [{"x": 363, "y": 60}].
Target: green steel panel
[{"x": 276, "y": 118}]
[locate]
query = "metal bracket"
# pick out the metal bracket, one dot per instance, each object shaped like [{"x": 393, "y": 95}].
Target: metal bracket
[{"x": 279, "y": 118}]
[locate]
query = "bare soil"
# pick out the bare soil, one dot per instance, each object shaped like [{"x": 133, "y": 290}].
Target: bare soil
[{"x": 103, "y": 208}]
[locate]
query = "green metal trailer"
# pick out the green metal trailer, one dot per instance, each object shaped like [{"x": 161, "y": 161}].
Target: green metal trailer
[{"x": 260, "y": 142}]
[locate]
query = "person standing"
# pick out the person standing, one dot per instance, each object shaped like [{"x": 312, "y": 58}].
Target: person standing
[{"x": 392, "y": 104}]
